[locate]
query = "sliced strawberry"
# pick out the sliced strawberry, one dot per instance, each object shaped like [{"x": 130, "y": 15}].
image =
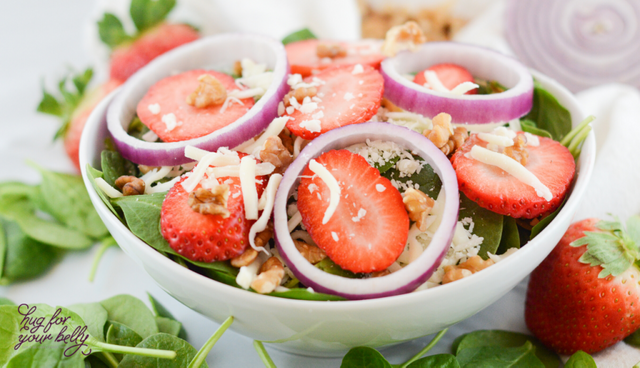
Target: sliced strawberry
[
  {"x": 500, "y": 192},
  {"x": 207, "y": 238},
  {"x": 451, "y": 75},
  {"x": 303, "y": 58},
  {"x": 170, "y": 95},
  {"x": 346, "y": 98},
  {"x": 370, "y": 226},
  {"x": 129, "y": 57}
]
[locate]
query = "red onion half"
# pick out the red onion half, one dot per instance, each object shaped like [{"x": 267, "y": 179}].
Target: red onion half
[
  {"x": 216, "y": 52},
  {"x": 483, "y": 63},
  {"x": 409, "y": 277},
  {"x": 580, "y": 43}
]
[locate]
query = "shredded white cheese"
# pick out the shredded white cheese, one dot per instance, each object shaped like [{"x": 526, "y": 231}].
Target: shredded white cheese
[
  {"x": 110, "y": 191},
  {"x": 150, "y": 136},
  {"x": 334, "y": 236},
  {"x": 263, "y": 168},
  {"x": 248, "y": 185},
  {"x": 532, "y": 139},
  {"x": 153, "y": 176},
  {"x": 261, "y": 224},
  {"x": 334, "y": 188},
  {"x": 294, "y": 221},
  {"x": 499, "y": 140},
  {"x": 273, "y": 130}
]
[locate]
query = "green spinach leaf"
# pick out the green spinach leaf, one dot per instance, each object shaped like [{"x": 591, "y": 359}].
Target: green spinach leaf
[
  {"x": 122, "y": 335},
  {"x": 328, "y": 266},
  {"x": 510, "y": 235},
  {"x": 548, "y": 114},
  {"x": 115, "y": 166},
  {"x": 436, "y": 361},
  {"x": 547, "y": 220},
  {"x": 131, "y": 312},
  {"x": 364, "y": 357},
  {"x": 94, "y": 317},
  {"x": 427, "y": 179},
  {"x": 530, "y": 127},
  {"x": 487, "y": 225},
  {"x": 185, "y": 353},
  {"x": 168, "y": 325},
  {"x": 6, "y": 301},
  {"x": 93, "y": 175},
  {"x": 301, "y": 35},
  {"x": 580, "y": 359},
  {"x": 499, "y": 357},
  {"x": 142, "y": 213},
  {"x": 304, "y": 294},
  {"x": 160, "y": 311}
]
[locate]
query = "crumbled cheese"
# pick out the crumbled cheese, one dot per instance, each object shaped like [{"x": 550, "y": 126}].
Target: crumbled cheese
[
  {"x": 380, "y": 188},
  {"x": 361, "y": 213},
  {"x": 357, "y": 69},
  {"x": 317, "y": 116},
  {"x": 236, "y": 194},
  {"x": 150, "y": 136},
  {"x": 334, "y": 236},
  {"x": 247, "y": 93},
  {"x": 248, "y": 185},
  {"x": 273, "y": 130},
  {"x": 281, "y": 108},
  {"x": 312, "y": 126},
  {"x": 110, "y": 191},
  {"x": 433, "y": 82},
  {"x": 505, "y": 132},
  {"x": 500, "y": 257},
  {"x": 348, "y": 96},
  {"x": 407, "y": 119},
  {"x": 170, "y": 121},
  {"x": 294, "y": 221},
  {"x": 334, "y": 188},
  {"x": 512, "y": 167},
  {"x": 154, "y": 108},
  {"x": 247, "y": 274},
  {"x": 495, "y": 139},
  {"x": 463, "y": 88},
  {"x": 308, "y": 107},
  {"x": 153, "y": 176},
  {"x": 312, "y": 187},
  {"x": 408, "y": 167},
  {"x": 261, "y": 224},
  {"x": 532, "y": 139},
  {"x": 290, "y": 110}
]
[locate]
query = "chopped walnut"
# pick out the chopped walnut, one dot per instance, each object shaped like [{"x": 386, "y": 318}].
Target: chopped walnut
[
  {"x": 245, "y": 258},
  {"x": 381, "y": 273},
  {"x": 467, "y": 268},
  {"x": 299, "y": 94},
  {"x": 311, "y": 253},
  {"x": 270, "y": 276},
  {"x": 418, "y": 206},
  {"x": 130, "y": 185},
  {"x": 390, "y": 106},
  {"x": 447, "y": 139},
  {"x": 145, "y": 169},
  {"x": 237, "y": 68},
  {"x": 210, "y": 92},
  {"x": 210, "y": 201},
  {"x": 518, "y": 151},
  {"x": 287, "y": 140},
  {"x": 403, "y": 37},
  {"x": 263, "y": 237},
  {"x": 330, "y": 50},
  {"x": 275, "y": 153}
]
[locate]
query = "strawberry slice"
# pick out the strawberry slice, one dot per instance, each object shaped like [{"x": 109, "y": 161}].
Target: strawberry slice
[
  {"x": 170, "y": 94},
  {"x": 451, "y": 75},
  {"x": 304, "y": 60},
  {"x": 370, "y": 226},
  {"x": 207, "y": 238},
  {"x": 500, "y": 192},
  {"x": 346, "y": 98}
]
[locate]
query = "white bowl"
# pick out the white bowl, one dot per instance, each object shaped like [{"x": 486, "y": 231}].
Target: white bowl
[{"x": 331, "y": 328}]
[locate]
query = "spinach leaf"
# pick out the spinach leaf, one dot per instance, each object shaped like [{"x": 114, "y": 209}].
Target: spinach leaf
[
  {"x": 93, "y": 361},
  {"x": 505, "y": 339},
  {"x": 112, "y": 31},
  {"x": 6, "y": 301},
  {"x": 67, "y": 201},
  {"x": 530, "y": 127},
  {"x": 142, "y": 213},
  {"x": 131, "y": 312},
  {"x": 115, "y": 166},
  {"x": 160, "y": 311},
  {"x": 436, "y": 361},
  {"x": 10, "y": 326},
  {"x": 547, "y": 220},
  {"x": 548, "y": 114},
  {"x": 510, "y": 235},
  {"x": 304, "y": 294},
  {"x": 3, "y": 253},
  {"x": 301, "y": 35},
  {"x": 388, "y": 165},
  {"x": 222, "y": 277},
  {"x": 328, "y": 266},
  {"x": 219, "y": 266},
  {"x": 25, "y": 258},
  {"x": 580, "y": 359},
  {"x": 122, "y": 335},
  {"x": 48, "y": 354},
  {"x": 499, "y": 357},
  {"x": 93, "y": 175},
  {"x": 185, "y": 353},
  {"x": 137, "y": 129},
  {"x": 427, "y": 179},
  {"x": 487, "y": 225},
  {"x": 364, "y": 357},
  {"x": 94, "y": 317},
  {"x": 168, "y": 325},
  {"x": 147, "y": 13}
]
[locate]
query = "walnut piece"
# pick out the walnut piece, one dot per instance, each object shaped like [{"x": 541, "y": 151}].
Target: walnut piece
[
  {"x": 145, "y": 169},
  {"x": 418, "y": 206},
  {"x": 210, "y": 92},
  {"x": 390, "y": 106},
  {"x": 330, "y": 50},
  {"x": 263, "y": 237},
  {"x": 245, "y": 258},
  {"x": 270, "y": 276},
  {"x": 444, "y": 136},
  {"x": 467, "y": 268},
  {"x": 274, "y": 152},
  {"x": 130, "y": 185},
  {"x": 237, "y": 68},
  {"x": 403, "y": 37},
  {"x": 518, "y": 151},
  {"x": 287, "y": 140},
  {"x": 210, "y": 201},
  {"x": 381, "y": 273},
  {"x": 311, "y": 253},
  {"x": 299, "y": 94}
]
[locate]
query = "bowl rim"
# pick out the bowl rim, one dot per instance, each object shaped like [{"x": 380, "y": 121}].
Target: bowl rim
[{"x": 586, "y": 163}]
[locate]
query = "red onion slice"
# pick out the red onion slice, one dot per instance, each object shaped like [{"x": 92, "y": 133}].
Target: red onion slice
[
  {"x": 411, "y": 276},
  {"x": 466, "y": 109},
  {"x": 580, "y": 43},
  {"x": 216, "y": 52}
]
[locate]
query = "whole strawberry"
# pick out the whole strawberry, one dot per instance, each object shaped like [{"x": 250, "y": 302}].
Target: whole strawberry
[
  {"x": 585, "y": 295},
  {"x": 154, "y": 37}
]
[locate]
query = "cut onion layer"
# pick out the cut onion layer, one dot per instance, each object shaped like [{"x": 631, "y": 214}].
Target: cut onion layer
[
  {"x": 216, "y": 52},
  {"x": 402, "y": 281},
  {"x": 482, "y": 63},
  {"x": 580, "y": 43}
]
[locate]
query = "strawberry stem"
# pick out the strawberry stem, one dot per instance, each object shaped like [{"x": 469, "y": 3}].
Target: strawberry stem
[{"x": 426, "y": 349}]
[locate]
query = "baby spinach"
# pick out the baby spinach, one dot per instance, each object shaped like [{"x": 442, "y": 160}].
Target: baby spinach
[
  {"x": 487, "y": 224},
  {"x": 537, "y": 228},
  {"x": 548, "y": 114},
  {"x": 131, "y": 312},
  {"x": 142, "y": 213},
  {"x": 167, "y": 325},
  {"x": 115, "y": 166},
  {"x": 428, "y": 181},
  {"x": 304, "y": 294},
  {"x": 184, "y": 353},
  {"x": 6, "y": 301},
  {"x": 93, "y": 175},
  {"x": 634, "y": 338},
  {"x": 580, "y": 359},
  {"x": 436, "y": 361},
  {"x": 94, "y": 316},
  {"x": 499, "y": 357},
  {"x": 531, "y": 127},
  {"x": 137, "y": 129},
  {"x": 119, "y": 334},
  {"x": 160, "y": 311},
  {"x": 328, "y": 266},
  {"x": 510, "y": 235},
  {"x": 364, "y": 357},
  {"x": 301, "y": 35},
  {"x": 48, "y": 354},
  {"x": 148, "y": 13}
]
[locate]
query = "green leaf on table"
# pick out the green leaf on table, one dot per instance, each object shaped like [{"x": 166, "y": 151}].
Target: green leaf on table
[
  {"x": 364, "y": 357},
  {"x": 168, "y": 325},
  {"x": 94, "y": 361},
  {"x": 580, "y": 359},
  {"x": 548, "y": 114},
  {"x": 115, "y": 166},
  {"x": 185, "y": 353},
  {"x": 436, "y": 361},
  {"x": 531, "y": 127},
  {"x": 160, "y": 311},
  {"x": 148, "y": 13},
  {"x": 505, "y": 339},
  {"x": 486, "y": 224},
  {"x": 500, "y": 357},
  {"x": 510, "y": 235},
  {"x": 304, "y": 294},
  {"x": 112, "y": 31},
  {"x": 119, "y": 334},
  {"x": 131, "y": 312},
  {"x": 6, "y": 301},
  {"x": 94, "y": 316},
  {"x": 93, "y": 175},
  {"x": 301, "y": 35}
]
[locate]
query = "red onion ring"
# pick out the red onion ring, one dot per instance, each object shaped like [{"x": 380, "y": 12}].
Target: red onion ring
[
  {"x": 466, "y": 109},
  {"x": 580, "y": 43},
  {"x": 411, "y": 276},
  {"x": 212, "y": 52}
]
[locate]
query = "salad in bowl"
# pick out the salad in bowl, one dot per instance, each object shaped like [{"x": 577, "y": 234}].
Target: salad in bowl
[{"x": 335, "y": 210}]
